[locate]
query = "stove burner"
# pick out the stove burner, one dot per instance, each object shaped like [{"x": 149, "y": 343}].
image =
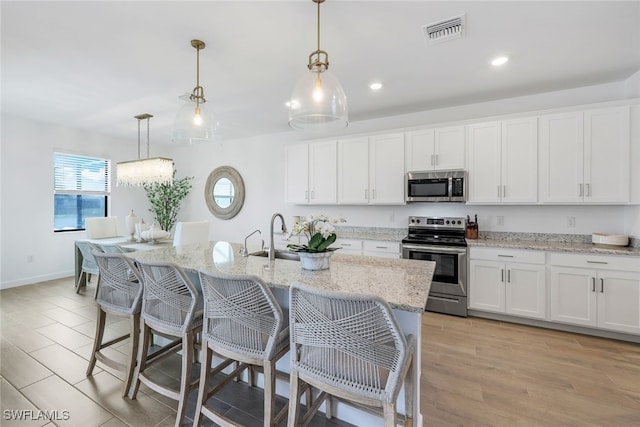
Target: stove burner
[{"x": 438, "y": 231}]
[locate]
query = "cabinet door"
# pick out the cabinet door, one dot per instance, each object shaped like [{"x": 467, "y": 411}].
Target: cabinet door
[
  {"x": 561, "y": 158},
  {"x": 386, "y": 169},
  {"x": 353, "y": 171},
  {"x": 520, "y": 160},
  {"x": 419, "y": 148},
  {"x": 573, "y": 296},
  {"x": 525, "y": 290},
  {"x": 619, "y": 301},
  {"x": 486, "y": 285},
  {"x": 484, "y": 163},
  {"x": 449, "y": 148},
  {"x": 606, "y": 155},
  {"x": 323, "y": 165},
  {"x": 296, "y": 173}
]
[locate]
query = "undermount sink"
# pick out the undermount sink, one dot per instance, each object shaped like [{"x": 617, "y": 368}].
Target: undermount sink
[{"x": 278, "y": 254}]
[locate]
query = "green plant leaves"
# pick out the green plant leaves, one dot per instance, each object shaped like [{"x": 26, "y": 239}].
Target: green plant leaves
[{"x": 165, "y": 199}]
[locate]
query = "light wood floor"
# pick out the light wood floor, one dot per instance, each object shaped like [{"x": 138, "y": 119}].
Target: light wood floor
[
  {"x": 475, "y": 372},
  {"x": 478, "y": 372}
]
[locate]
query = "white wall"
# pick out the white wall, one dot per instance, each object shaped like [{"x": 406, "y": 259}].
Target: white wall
[{"x": 26, "y": 224}]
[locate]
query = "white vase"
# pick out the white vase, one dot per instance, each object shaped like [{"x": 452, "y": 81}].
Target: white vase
[
  {"x": 130, "y": 221},
  {"x": 315, "y": 261}
]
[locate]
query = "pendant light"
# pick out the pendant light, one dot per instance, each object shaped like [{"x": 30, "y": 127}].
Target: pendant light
[
  {"x": 318, "y": 100},
  {"x": 194, "y": 122},
  {"x": 144, "y": 171}
]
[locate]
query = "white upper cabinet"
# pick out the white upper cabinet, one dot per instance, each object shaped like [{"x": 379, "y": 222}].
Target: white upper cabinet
[
  {"x": 311, "y": 173},
  {"x": 371, "y": 170},
  {"x": 502, "y": 161},
  {"x": 296, "y": 173},
  {"x": 435, "y": 149},
  {"x": 584, "y": 156}
]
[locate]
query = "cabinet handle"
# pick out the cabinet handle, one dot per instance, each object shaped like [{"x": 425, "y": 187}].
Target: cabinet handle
[
  {"x": 505, "y": 256},
  {"x": 345, "y": 244},
  {"x": 508, "y": 276},
  {"x": 601, "y": 285},
  {"x": 366, "y": 194},
  {"x": 306, "y": 194},
  {"x": 597, "y": 262},
  {"x": 579, "y": 190},
  {"x": 504, "y": 191},
  {"x": 498, "y": 191},
  {"x": 593, "y": 284},
  {"x": 373, "y": 193},
  {"x": 313, "y": 194},
  {"x": 587, "y": 190},
  {"x": 382, "y": 247},
  {"x": 437, "y": 160},
  {"x": 502, "y": 274},
  {"x": 432, "y": 160}
]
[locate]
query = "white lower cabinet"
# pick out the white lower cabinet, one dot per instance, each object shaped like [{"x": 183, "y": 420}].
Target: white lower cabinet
[
  {"x": 379, "y": 248},
  {"x": 507, "y": 281},
  {"x": 596, "y": 291}
]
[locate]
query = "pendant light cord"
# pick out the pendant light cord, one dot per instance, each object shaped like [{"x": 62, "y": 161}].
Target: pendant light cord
[
  {"x": 147, "y": 138},
  {"x": 318, "y": 26}
]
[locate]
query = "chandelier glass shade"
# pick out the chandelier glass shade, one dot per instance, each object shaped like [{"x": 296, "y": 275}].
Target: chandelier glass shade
[
  {"x": 135, "y": 173},
  {"x": 195, "y": 122},
  {"x": 318, "y": 100}
]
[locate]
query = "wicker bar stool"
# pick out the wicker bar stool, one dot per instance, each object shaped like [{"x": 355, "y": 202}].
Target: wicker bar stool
[
  {"x": 244, "y": 323},
  {"x": 172, "y": 308},
  {"x": 350, "y": 347},
  {"x": 89, "y": 265},
  {"x": 119, "y": 294}
]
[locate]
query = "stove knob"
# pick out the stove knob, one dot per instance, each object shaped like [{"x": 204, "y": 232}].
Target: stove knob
[
  {"x": 459, "y": 222},
  {"x": 418, "y": 221},
  {"x": 447, "y": 221}
]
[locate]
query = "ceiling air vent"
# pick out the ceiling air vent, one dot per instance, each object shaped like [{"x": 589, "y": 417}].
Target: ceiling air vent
[{"x": 448, "y": 29}]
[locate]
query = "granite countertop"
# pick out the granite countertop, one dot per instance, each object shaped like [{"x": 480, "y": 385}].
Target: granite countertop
[
  {"x": 403, "y": 283},
  {"x": 557, "y": 246},
  {"x": 372, "y": 233}
]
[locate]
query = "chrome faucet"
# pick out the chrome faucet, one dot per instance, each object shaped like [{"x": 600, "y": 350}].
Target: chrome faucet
[
  {"x": 243, "y": 250},
  {"x": 272, "y": 251}
]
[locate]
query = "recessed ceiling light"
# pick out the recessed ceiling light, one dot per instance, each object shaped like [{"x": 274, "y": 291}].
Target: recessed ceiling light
[
  {"x": 375, "y": 86},
  {"x": 500, "y": 60}
]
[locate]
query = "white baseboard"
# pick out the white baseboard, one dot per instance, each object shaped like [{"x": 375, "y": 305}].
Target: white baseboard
[{"x": 35, "y": 279}]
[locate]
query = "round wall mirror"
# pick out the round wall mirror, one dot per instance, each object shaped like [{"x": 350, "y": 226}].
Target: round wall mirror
[{"x": 224, "y": 192}]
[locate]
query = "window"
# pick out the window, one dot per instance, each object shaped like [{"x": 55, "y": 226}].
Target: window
[{"x": 81, "y": 188}]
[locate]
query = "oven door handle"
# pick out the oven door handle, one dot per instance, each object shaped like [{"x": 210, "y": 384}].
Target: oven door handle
[{"x": 429, "y": 248}]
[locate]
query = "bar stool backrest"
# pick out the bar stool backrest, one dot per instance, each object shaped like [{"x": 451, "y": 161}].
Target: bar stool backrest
[
  {"x": 242, "y": 315},
  {"x": 169, "y": 298},
  {"x": 351, "y": 342},
  {"x": 120, "y": 287}
]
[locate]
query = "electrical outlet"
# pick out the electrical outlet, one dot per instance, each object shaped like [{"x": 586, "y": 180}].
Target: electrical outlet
[
  {"x": 392, "y": 218},
  {"x": 500, "y": 220},
  {"x": 571, "y": 222},
  {"x": 29, "y": 258}
]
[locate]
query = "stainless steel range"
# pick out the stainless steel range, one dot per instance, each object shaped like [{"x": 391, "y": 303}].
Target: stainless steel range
[{"x": 441, "y": 239}]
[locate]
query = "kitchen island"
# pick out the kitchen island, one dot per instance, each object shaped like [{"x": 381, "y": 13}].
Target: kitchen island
[{"x": 404, "y": 284}]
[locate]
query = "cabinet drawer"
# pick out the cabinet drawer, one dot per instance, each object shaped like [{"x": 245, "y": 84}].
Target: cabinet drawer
[
  {"x": 507, "y": 255},
  {"x": 349, "y": 246},
  {"x": 381, "y": 246},
  {"x": 602, "y": 262}
]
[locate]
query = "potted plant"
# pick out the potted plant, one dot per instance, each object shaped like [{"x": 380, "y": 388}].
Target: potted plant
[
  {"x": 320, "y": 233},
  {"x": 166, "y": 198}
]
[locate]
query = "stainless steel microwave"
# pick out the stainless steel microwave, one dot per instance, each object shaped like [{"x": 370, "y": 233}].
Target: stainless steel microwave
[{"x": 436, "y": 186}]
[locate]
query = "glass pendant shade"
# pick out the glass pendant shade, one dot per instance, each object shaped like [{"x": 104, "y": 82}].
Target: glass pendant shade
[
  {"x": 190, "y": 128},
  {"x": 318, "y": 102},
  {"x": 136, "y": 173}
]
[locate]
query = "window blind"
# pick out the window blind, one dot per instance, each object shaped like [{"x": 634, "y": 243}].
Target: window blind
[{"x": 81, "y": 175}]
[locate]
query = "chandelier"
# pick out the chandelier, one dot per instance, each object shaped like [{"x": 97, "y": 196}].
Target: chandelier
[
  {"x": 318, "y": 100},
  {"x": 144, "y": 171}
]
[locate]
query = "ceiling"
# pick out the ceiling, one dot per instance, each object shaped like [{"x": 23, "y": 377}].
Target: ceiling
[{"x": 95, "y": 64}]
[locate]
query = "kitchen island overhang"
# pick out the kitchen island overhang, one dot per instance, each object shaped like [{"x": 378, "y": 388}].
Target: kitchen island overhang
[{"x": 403, "y": 283}]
